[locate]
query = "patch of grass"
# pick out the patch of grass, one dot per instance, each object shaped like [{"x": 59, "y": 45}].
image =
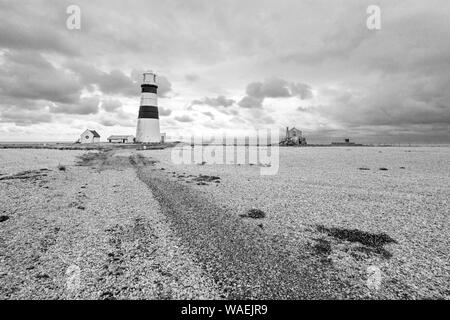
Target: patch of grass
[
  {"x": 141, "y": 160},
  {"x": 91, "y": 158}
]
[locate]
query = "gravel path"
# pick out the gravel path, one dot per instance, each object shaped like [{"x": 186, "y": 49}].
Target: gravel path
[{"x": 241, "y": 258}]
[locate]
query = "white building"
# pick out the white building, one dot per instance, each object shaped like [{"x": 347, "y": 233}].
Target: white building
[
  {"x": 89, "y": 136},
  {"x": 121, "y": 139}
]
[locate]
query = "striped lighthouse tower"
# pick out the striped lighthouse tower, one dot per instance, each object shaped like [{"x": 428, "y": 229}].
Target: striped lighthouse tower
[{"x": 148, "y": 120}]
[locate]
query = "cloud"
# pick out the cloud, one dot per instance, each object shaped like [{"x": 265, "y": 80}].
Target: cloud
[
  {"x": 191, "y": 77},
  {"x": 164, "y": 112},
  {"x": 351, "y": 77},
  {"x": 26, "y": 28},
  {"x": 27, "y": 75},
  {"x": 164, "y": 86},
  {"x": 270, "y": 88},
  {"x": 250, "y": 102},
  {"x": 303, "y": 109},
  {"x": 114, "y": 82},
  {"x": 220, "y": 101},
  {"x": 278, "y": 88},
  {"x": 267, "y": 120},
  {"x": 393, "y": 103},
  {"x": 273, "y": 88},
  {"x": 25, "y": 118},
  {"x": 209, "y": 114},
  {"x": 111, "y": 105},
  {"x": 303, "y": 91},
  {"x": 184, "y": 118},
  {"x": 84, "y": 107},
  {"x": 117, "y": 121}
]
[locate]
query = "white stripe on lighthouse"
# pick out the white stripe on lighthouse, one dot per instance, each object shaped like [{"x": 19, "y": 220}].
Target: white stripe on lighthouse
[{"x": 149, "y": 99}]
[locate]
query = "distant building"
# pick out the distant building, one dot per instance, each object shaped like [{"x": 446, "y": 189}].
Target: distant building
[
  {"x": 293, "y": 136},
  {"x": 346, "y": 142},
  {"x": 89, "y": 136},
  {"x": 121, "y": 139},
  {"x": 293, "y": 132}
]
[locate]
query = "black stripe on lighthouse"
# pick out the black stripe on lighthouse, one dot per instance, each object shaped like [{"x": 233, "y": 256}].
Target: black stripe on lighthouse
[
  {"x": 150, "y": 88},
  {"x": 148, "y": 112}
]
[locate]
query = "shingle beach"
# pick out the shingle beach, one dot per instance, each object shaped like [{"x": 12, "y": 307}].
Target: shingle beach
[{"x": 129, "y": 224}]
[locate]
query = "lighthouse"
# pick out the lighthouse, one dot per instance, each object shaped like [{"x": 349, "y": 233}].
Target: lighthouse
[{"x": 147, "y": 130}]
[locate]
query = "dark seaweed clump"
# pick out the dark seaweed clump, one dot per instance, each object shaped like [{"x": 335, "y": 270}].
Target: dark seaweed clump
[
  {"x": 373, "y": 240},
  {"x": 27, "y": 175},
  {"x": 254, "y": 214},
  {"x": 322, "y": 247},
  {"x": 205, "y": 178}
]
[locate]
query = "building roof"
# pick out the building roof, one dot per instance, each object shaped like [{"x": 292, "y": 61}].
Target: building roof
[
  {"x": 114, "y": 137},
  {"x": 96, "y": 135}
]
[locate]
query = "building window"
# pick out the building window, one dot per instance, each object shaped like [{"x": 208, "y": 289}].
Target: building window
[{"x": 87, "y": 137}]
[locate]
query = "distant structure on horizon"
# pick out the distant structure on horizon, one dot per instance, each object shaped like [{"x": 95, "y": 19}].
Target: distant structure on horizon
[
  {"x": 147, "y": 130},
  {"x": 293, "y": 137},
  {"x": 121, "y": 139},
  {"x": 346, "y": 142},
  {"x": 89, "y": 136}
]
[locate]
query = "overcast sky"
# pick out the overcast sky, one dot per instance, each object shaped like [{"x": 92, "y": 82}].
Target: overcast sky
[{"x": 227, "y": 66}]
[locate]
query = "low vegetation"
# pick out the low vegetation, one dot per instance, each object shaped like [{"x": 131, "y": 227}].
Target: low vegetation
[
  {"x": 353, "y": 235},
  {"x": 254, "y": 214}
]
